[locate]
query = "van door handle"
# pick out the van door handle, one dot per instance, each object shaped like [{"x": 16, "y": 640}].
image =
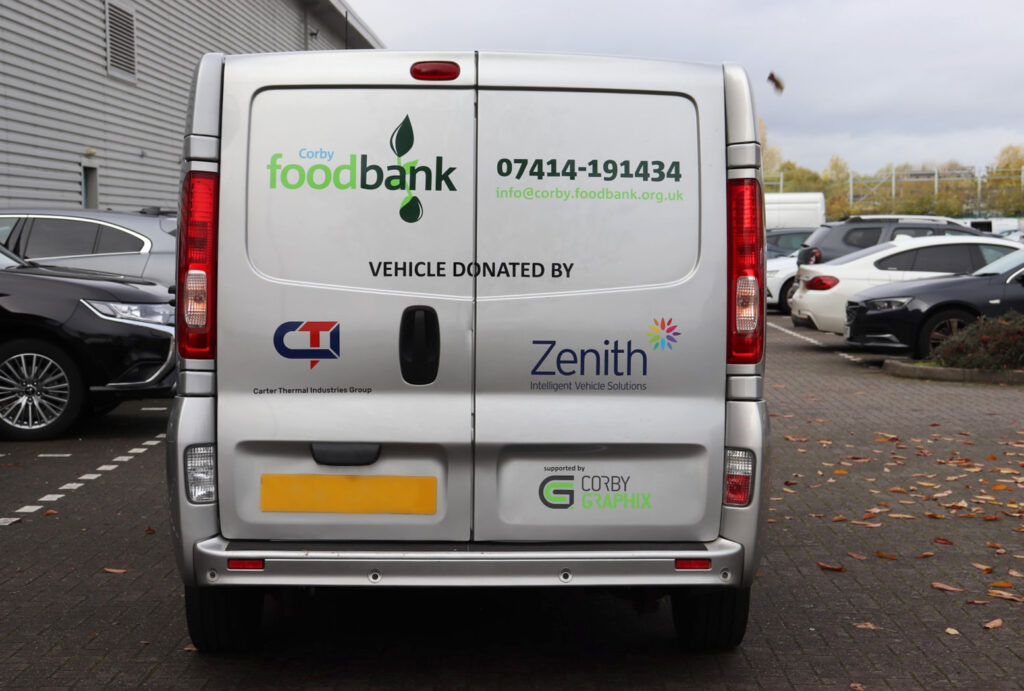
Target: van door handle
[
  {"x": 419, "y": 345},
  {"x": 345, "y": 453}
]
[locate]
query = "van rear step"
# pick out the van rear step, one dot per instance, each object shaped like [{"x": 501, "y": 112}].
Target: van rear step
[{"x": 719, "y": 562}]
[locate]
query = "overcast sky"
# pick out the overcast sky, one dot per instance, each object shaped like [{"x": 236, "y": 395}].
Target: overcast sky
[{"x": 874, "y": 81}]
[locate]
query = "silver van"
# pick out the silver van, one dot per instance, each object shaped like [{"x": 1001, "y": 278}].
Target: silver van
[{"x": 452, "y": 319}]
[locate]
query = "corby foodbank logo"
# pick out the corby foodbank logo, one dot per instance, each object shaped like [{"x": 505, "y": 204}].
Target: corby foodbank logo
[
  {"x": 556, "y": 491},
  {"x": 314, "y": 353},
  {"x": 360, "y": 173}
]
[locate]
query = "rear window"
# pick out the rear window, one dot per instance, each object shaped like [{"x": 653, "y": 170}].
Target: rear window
[
  {"x": 6, "y": 226},
  {"x": 815, "y": 238},
  {"x": 113, "y": 240},
  {"x": 59, "y": 237},
  {"x": 901, "y": 261},
  {"x": 946, "y": 258},
  {"x": 863, "y": 237}
]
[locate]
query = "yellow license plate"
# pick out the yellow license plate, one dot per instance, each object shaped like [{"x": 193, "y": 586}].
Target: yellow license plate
[{"x": 367, "y": 494}]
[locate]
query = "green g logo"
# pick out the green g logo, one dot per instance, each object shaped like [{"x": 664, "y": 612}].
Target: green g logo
[{"x": 556, "y": 491}]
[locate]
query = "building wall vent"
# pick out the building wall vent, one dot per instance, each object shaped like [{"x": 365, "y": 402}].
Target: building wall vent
[{"x": 121, "y": 40}]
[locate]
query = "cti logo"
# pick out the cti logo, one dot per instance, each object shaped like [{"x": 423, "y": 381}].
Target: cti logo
[
  {"x": 363, "y": 174},
  {"x": 314, "y": 353},
  {"x": 556, "y": 491}
]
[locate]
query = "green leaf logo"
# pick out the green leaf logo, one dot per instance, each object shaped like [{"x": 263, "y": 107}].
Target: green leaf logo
[
  {"x": 411, "y": 210},
  {"x": 401, "y": 138}
]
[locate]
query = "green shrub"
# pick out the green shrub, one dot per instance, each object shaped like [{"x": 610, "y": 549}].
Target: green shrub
[{"x": 989, "y": 343}]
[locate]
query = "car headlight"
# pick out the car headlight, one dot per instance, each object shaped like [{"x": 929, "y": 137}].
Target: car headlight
[
  {"x": 887, "y": 304},
  {"x": 149, "y": 312}
]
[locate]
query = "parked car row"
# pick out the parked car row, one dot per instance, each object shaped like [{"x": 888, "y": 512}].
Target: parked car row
[
  {"x": 902, "y": 283},
  {"x": 74, "y": 340}
]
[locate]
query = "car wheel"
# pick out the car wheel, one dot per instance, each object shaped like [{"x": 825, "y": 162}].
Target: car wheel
[
  {"x": 224, "y": 619},
  {"x": 788, "y": 288},
  {"x": 940, "y": 326},
  {"x": 710, "y": 618},
  {"x": 41, "y": 390}
]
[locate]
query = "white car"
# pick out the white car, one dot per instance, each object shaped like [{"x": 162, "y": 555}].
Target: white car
[
  {"x": 780, "y": 273},
  {"x": 823, "y": 289}
]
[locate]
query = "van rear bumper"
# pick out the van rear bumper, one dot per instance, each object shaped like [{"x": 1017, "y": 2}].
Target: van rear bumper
[{"x": 467, "y": 564}]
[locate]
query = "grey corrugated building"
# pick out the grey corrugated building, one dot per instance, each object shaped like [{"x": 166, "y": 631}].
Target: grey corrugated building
[{"x": 93, "y": 92}]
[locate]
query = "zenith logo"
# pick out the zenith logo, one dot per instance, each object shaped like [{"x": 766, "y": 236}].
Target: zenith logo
[{"x": 314, "y": 353}]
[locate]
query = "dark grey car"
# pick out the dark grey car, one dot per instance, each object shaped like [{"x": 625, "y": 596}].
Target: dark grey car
[
  {"x": 835, "y": 240},
  {"x": 129, "y": 244}
]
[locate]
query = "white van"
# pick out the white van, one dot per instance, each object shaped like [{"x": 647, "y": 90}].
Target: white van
[
  {"x": 469, "y": 319},
  {"x": 794, "y": 210}
]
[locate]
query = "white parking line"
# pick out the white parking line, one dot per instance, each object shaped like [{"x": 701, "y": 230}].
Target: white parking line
[
  {"x": 90, "y": 476},
  {"x": 50, "y": 497},
  {"x": 29, "y": 509},
  {"x": 105, "y": 468},
  {"x": 161, "y": 436},
  {"x": 151, "y": 442},
  {"x": 9, "y": 521},
  {"x": 70, "y": 485},
  {"x": 851, "y": 358},
  {"x": 122, "y": 458},
  {"x": 54, "y": 455},
  {"x": 154, "y": 409},
  {"x": 137, "y": 450}
]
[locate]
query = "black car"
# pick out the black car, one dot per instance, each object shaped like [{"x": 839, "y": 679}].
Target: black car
[
  {"x": 834, "y": 240},
  {"x": 781, "y": 242},
  {"x": 918, "y": 315},
  {"x": 75, "y": 341}
]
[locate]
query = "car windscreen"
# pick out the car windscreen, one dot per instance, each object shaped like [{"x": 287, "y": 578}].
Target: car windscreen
[
  {"x": 7, "y": 259},
  {"x": 854, "y": 256},
  {"x": 1007, "y": 262}
]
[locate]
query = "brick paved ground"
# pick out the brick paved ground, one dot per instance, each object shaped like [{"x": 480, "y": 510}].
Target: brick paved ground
[{"x": 64, "y": 621}]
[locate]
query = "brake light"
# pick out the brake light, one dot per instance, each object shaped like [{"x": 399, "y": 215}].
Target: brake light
[
  {"x": 822, "y": 283},
  {"x": 746, "y": 272},
  {"x": 814, "y": 256},
  {"x": 435, "y": 71},
  {"x": 739, "y": 476},
  {"x": 197, "y": 265}
]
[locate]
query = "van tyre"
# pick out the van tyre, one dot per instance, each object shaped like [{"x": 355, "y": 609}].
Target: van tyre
[
  {"x": 940, "y": 326},
  {"x": 225, "y": 619},
  {"x": 41, "y": 390},
  {"x": 710, "y": 618}
]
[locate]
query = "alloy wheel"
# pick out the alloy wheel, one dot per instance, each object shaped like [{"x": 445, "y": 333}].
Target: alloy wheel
[{"x": 34, "y": 391}]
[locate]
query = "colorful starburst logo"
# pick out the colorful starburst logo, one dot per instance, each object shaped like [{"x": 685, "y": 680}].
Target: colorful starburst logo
[{"x": 663, "y": 334}]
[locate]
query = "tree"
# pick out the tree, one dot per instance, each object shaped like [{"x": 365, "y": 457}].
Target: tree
[
  {"x": 1004, "y": 191},
  {"x": 771, "y": 156},
  {"x": 837, "y": 188}
]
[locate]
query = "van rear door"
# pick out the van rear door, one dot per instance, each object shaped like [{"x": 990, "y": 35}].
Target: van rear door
[
  {"x": 601, "y": 244},
  {"x": 344, "y": 351}
]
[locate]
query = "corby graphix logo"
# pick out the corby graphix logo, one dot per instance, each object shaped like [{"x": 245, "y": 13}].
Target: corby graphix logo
[
  {"x": 358, "y": 172},
  {"x": 314, "y": 353},
  {"x": 556, "y": 491}
]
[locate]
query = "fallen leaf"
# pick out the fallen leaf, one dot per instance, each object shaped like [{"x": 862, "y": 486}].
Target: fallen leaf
[
  {"x": 903, "y": 516},
  {"x": 109, "y": 570},
  {"x": 925, "y": 555},
  {"x": 994, "y": 624},
  {"x": 840, "y": 519},
  {"x": 947, "y": 588},
  {"x": 993, "y": 545},
  {"x": 149, "y": 530},
  {"x": 828, "y": 567},
  {"x": 978, "y": 602},
  {"x": 789, "y": 437},
  {"x": 866, "y": 524},
  {"x": 1015, "y": 573},
  {"x": 866, "y": 625},
  {"x": 934, "y": 515},
  {"x": 1003, "y": 595},
  {"x": 190, "y": 648},
  {"x": 943, "y": 541},
  {"x": 883, "y": 555},
  {"x": 50, "y": 512},
  {"x": 857, "y": 556},
  {"x": 952, "y": 632},
  {"x": 840, "y": 471},
  {"x": 1000, "y": 584},
  {"x": 858, "y": 687},
  {"x": 897, "y": 490},
  {"x": 984, "y": 568}
]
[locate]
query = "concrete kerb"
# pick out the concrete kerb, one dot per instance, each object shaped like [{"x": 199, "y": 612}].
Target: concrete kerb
[{"x": 899, "y": 368}]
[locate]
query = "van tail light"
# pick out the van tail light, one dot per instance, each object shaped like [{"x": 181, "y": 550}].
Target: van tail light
[
  {"x": 746, "y": 272},
  {"x": 822, "y": 283},
  {"x": 197, "y": 266},
  {"x": 440, "y": 71},
  {"x": 739, "y": 476}
]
